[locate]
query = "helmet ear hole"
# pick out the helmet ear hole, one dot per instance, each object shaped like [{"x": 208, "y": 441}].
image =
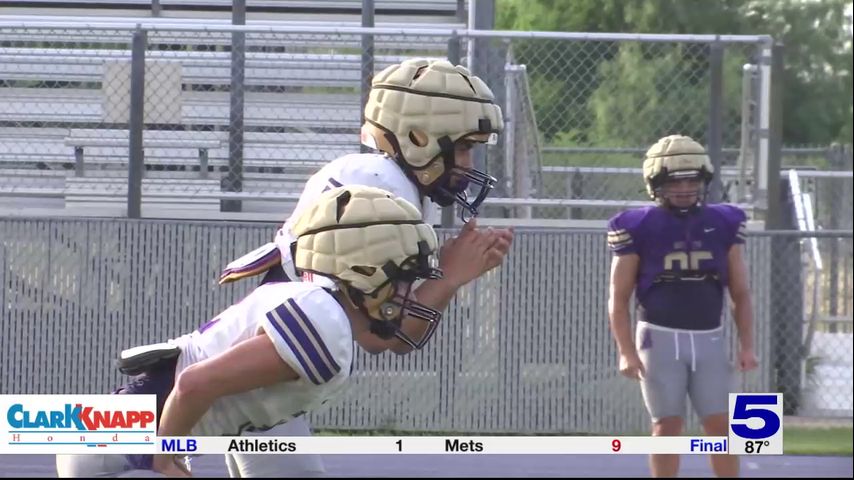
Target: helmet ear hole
[
  {"x": 418, "y": 138},
  {"x": 364, "y": 270},
  {"x": 419, "y": 72},
  {"x": 473, "y": 91},
  {"x": 341, "y": 203}
]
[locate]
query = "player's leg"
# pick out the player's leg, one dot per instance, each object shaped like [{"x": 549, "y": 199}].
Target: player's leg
[
  {"x": 284, "y": 465},
  {"x": 110, "y": 466},
  {"x": 158, "y": 381},
  {"x": 709, "y": 388},
  {"x": 717, "y": 425},
  {"x": 660, "y": 464},
  {"x": 664, "y": 389}
]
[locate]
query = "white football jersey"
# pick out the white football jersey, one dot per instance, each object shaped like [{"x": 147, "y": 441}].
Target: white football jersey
[
  {"x": 369, "y": 169},
  {"x": 310, "y": 331}
]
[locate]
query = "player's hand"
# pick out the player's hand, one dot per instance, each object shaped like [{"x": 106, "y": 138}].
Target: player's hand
[
  {"x": 466, "y": 256},
  {"x": 747, "y": 360},
  {"x": 631, "y": 366},
  {"x": 499, "y": 249},
  {"x": 170, "y": 465}
]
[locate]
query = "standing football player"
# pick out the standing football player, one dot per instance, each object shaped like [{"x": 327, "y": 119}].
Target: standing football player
[{"x": 678, "y": 258}]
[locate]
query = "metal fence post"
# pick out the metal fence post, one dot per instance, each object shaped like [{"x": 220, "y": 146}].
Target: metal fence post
[
  {"x": 836, "y": 163},
  {"x": 577, "y": 192},
  {"x": 136, "y": 158},
  {"x": 367, "y": 60},
  {"x": 747, "y": 147},
  {"x": 764, "y": 182},
  {"x": 79, "y": 166},
  {"x": 715, "y": 128},
  {"x": 774, "y": 134},
  {"x": 234, "y": 179},
  {"x": 508, "y": 186},
  {"x": 787, "y": 308},
  {"x": 454, "y": 58}
]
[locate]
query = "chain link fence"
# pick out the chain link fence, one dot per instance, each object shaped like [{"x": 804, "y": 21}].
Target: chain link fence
[
  {"x": 525, "y": 349},
  {"x": 599, "y": 101},
  {"x": 825, "y": 174},
  {"x": 236, "y": 118},
  {"x": 810, "y": 293}
]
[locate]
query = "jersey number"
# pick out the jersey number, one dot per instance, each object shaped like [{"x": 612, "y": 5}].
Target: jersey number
[{"x": 686, "y": 260}]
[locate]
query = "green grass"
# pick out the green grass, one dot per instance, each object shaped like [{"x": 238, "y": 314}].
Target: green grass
[{"x": 818, "y": 441}]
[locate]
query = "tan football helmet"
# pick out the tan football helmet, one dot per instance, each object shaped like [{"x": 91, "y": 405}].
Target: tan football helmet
[
  {"x": 374, "y": 245},
  {"x": 416, "y": 113},
  {"x": 675, "y": 157}
]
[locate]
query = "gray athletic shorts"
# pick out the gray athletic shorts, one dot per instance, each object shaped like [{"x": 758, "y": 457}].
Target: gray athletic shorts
[{"x": 684, "y": 362}]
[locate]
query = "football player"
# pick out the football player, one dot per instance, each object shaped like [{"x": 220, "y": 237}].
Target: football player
[
  {"x": 287, "y": 347},
  {"x": 678, "y": 258}
]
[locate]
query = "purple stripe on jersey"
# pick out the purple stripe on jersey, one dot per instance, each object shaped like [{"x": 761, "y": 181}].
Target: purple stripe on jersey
[
  {"x": 312, "y": 344},
  {"x": 282, "y": 312},
  {"x": 335, "y": 183},
  {"x": 208, "y": 325},
  {"x": 272, "y": 257},
  {"x": 330, "y": 360}
]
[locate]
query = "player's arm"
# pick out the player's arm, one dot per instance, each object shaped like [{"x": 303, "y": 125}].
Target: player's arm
[
  {"x": 374, "y": 344},
  {"x": 742, "y": 308},
  {"x": 462, "y": 259},
  {"x": 624, "y": 269},
  {"x": 251, "y": 364}
]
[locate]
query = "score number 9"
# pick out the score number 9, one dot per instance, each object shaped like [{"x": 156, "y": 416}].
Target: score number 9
[{"x": 616, "y": 445}]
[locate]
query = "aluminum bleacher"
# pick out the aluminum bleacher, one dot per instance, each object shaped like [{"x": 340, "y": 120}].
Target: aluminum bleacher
[{"x": 301, "y": 103}]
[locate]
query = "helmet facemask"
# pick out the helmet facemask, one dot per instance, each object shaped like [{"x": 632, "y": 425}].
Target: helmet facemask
[
  {"x": 672, "y": 192},
  {"x": 454, "y": 184},
  {"x": 388, "y": 304}
]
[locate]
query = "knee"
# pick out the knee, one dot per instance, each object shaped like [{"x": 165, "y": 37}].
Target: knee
[
  {"x": 716, "y": 425},
  {"x": 667, "y": 426}
]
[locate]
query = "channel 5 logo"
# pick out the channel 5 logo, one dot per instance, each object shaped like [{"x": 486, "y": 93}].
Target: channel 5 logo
[{"x": 756, "y": 423}]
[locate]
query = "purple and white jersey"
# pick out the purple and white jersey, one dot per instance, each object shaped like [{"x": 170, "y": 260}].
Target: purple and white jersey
[
  {"x": 311, "y": 333},
  {"x": 368, "y": 169},
  {"x": 683, "y": 261}
]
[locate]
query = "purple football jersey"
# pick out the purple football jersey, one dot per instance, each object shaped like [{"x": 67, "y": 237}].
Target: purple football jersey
[{"x": 683, "y": 261}]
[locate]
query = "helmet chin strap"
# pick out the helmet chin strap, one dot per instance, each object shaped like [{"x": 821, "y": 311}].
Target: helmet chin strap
[
  {"x": 384, "y": 330},
  {"x": 683, "y": 211}
]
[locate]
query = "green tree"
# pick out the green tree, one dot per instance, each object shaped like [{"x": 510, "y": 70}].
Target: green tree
[
  {"x": 657, "y": 97},
  {"x": 817, "y": 98},
  {"x": 592, "y": 92}
]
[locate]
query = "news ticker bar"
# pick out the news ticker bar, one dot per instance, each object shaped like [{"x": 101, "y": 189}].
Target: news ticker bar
[{"x": 420, "y": 445}]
